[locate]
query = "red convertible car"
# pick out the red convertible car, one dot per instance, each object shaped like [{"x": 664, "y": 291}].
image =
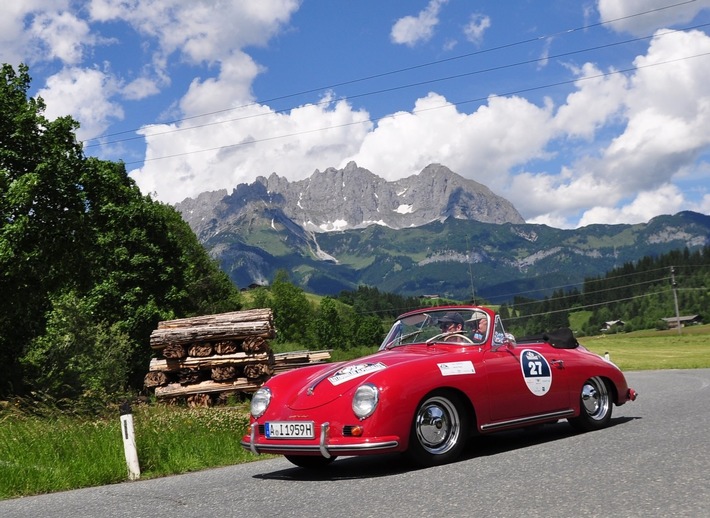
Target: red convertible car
[{"x": 440, "y": 376}]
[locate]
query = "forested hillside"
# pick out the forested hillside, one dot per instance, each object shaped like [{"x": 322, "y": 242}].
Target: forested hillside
[
  {"x": 88, "y": 265},
  {"x": 640, "y": 294}
]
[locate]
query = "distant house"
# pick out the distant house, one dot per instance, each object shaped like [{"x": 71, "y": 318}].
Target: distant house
[
  {"x": 429, "y": 296},
  {"x": 688, "y": 320},
  {"x": 612, "y": 324}
]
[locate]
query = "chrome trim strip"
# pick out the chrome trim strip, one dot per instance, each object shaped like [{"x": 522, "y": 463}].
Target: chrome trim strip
[
  {"x": 526, "y": 420},
  {"x": 265, "y": 448},
  {"x": 323, "y": 447}
]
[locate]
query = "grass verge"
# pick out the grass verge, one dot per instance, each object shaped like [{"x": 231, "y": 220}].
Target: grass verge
[{"x": 40, "y": 454}]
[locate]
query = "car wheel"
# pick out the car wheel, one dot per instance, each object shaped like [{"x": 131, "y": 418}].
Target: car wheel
[
  {"x": 309, "y": 461},
  {"x": 439, "y": 430},
  {"x": 595, "y": 406}
]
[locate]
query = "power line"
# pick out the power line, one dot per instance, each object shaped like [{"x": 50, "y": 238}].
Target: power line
[
  {"x": 410, "y": 68},
  {"x": 567, "y": 286},
  {"x": 392, "y": 116},
  {"x": 405, "y": 86},
  {"x": 587, "y": 306}
]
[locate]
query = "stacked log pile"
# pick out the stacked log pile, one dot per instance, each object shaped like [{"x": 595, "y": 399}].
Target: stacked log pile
[{"x": 205, "y": 359}]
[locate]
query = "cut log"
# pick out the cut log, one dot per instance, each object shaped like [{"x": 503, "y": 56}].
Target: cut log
[
  {"x": 257, "y": 370},
  {"x": 250, "y": 315},
  {"x": 189, "y": 376},
  {"x": 200, "y": 349},
  {"x": 255, "y": 344},
  {"x": 159, "y": 364},
  {"x": 302, "y": 356},
  {"x": 173, "y": 390},
  {"x": 174, "y": 351},
  {"x": 155, "y": 379},
  {"x": 161, "y": 338},
  {"x": 224, "y": 373},
  {"x": 226, "y": 347}
]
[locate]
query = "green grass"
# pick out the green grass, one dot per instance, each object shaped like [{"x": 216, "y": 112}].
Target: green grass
[
  {"x": 40, "y": 454},
  {"x": 55, "y": 451},
  {"x": 648, "y": 350}
]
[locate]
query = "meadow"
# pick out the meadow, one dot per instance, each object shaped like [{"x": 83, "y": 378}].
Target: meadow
[{"x": 43, "y": 450}]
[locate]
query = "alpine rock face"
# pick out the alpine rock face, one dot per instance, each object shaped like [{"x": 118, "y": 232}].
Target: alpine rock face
[
  {"x": 433, "y": 232},
  {"x": 352, "y": 198}
]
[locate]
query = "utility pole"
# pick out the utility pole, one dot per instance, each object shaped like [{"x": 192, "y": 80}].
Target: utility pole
[{"x": 675, "y": 299}]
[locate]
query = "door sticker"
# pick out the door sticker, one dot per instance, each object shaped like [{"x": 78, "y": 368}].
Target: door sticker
[
  {"x": 454, "y": 368},
  {"x": 536, "y": 372}
]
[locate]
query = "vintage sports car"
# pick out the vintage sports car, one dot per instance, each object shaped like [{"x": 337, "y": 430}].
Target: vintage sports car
[{"x": 441, "y": 375}]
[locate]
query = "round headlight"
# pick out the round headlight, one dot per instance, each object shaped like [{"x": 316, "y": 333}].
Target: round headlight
[
  {"x": 260, "y": 401},
  {"x": 365, "y": 400}
]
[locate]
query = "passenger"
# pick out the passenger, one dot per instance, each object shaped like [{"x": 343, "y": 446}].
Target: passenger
[{"x": 479, "y": 330}]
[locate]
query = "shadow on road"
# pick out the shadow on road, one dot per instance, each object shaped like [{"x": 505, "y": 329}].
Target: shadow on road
[{"x": 372, "y": 466}]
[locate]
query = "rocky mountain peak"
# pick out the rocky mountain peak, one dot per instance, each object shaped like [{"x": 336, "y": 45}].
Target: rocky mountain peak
[{"x": 353, "y": 197}]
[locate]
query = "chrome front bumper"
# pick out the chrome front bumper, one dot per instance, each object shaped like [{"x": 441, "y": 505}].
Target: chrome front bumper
[{"x": 323, "y": 448}]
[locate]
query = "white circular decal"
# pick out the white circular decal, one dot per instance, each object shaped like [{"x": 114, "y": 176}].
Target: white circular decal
[{"x": 536, "y": 372}]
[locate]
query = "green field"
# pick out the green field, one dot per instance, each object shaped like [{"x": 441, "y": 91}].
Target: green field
[
  {"x": 648, "y": 350},
  {"x": 50, "y": 451}
]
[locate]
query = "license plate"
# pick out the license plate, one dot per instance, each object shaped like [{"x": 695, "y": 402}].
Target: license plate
[{"x": 290, "y": 430}]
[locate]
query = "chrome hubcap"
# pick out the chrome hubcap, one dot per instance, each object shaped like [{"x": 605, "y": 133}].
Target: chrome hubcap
[
  {"x": 595, "y": 398},
  {"x": 437, "y": 425}
]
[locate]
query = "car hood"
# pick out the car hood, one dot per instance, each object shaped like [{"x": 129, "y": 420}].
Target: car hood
[{"x": 335, "y": 381}]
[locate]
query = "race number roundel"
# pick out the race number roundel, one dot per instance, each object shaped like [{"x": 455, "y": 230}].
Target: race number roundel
[{"x": 536, "y": 372}]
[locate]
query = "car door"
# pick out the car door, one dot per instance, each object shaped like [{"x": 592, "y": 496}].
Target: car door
[{"x": 524, "y": 380}]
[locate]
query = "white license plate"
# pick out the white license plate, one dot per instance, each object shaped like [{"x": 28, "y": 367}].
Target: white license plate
[{"x": 290, "y": 430}]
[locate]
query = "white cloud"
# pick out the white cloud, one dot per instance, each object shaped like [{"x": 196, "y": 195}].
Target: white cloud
[
  {"x": 31, "y": 32},
  {"x": 195, "y": 28},
  {"x": 63, "y": 36},
  {"x": 140, "y": 88},
  {"x": 606, "y": 93},
  {"x": 666, "y": 199},
  {"x": 661, "y": 13},
  {"x": 85, "y": 94},
  {"x": 257, "y": 141},
  {"x": 476, "y": 27},
  {"x": 411, "y": 30}
]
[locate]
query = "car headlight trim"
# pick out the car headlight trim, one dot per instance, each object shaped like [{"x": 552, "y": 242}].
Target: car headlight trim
[
  {"x": 365, "y": 400},
  {"x": 260, "y": 402}
]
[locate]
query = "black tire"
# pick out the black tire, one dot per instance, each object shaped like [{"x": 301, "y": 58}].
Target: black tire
[
  {"x": 309, "y": 461},
  {"x": 439, "y": 430},
  {"x": 595, "y": 404}
]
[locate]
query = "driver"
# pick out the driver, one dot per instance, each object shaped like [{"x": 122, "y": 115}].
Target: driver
[{"x": 451, "y": 322}]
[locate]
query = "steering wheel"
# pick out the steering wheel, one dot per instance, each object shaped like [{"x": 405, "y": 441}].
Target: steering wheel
[{"x": 450, "y": 337}]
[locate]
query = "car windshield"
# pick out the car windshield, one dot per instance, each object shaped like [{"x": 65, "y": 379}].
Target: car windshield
[{"x": 471, "y": 323}]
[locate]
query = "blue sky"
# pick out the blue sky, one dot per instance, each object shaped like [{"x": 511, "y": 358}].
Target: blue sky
[{"x": 577, "y": 112}]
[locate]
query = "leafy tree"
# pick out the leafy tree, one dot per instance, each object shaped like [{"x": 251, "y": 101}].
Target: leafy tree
[
  {"x": 78, "y": 231},
  {"x": 369, "y": 332},
  {"x": 77, "y": 356},
  {"x": 292, "y": 312},
  {"x": 327, "y": 326}
]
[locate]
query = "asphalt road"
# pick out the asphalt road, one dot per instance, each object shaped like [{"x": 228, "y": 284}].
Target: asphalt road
[{"x": 654, "y": 461}]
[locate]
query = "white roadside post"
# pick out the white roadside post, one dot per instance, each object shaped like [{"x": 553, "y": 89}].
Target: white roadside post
[{"x": 129, "y": 442}]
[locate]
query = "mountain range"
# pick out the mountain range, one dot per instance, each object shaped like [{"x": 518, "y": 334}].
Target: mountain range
[{"x": 433, "y": 233}]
